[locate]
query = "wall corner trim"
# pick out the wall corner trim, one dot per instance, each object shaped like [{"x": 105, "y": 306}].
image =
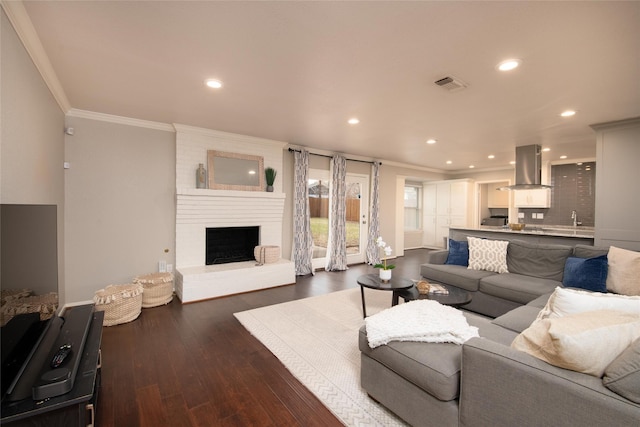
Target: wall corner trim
[
  {"x": 23, "y": 26},
  {"x": 120, "y": 120}
]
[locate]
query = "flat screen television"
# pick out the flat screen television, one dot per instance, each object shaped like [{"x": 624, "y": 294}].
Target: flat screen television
[{"x": 28, "y": 278}]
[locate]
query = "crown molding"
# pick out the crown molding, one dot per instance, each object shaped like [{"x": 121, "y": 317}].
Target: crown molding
[
  {"x": 23, "y": 26},
  {"x": 84, "y": 114},
  {"x": 227, "y": 135}
]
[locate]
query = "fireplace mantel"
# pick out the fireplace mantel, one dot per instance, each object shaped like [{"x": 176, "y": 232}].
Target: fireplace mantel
[{"x": 229, "y": 193}]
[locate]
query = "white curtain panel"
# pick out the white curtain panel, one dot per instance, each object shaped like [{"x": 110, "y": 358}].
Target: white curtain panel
[
  {"x": 302, "y": 238},
  {"x": 337, "y": 242},
  {"x": 373, "y": 254}
]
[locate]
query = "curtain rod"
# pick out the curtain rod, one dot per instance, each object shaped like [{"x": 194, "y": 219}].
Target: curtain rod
[{"x": 326, "y": 155}]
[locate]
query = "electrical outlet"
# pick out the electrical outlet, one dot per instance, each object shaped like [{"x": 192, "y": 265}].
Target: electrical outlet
[
  {"x": 169, "y": 268},
  {"x": 520, "y": 215},
  {"x": 162, "y": 266},
  {"x": 540, "y": 215}
]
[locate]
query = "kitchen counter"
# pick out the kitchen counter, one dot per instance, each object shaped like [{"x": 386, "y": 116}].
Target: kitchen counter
[
  {"x": 539, "y": 234},
  {"x": 543, "y": 230}
]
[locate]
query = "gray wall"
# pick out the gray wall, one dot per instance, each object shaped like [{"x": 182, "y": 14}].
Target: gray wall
[
  {"x": 120, "y": 204},
  {"x": 31, "y": 137}
]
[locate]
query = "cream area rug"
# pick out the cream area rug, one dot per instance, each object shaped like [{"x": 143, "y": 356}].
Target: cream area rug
[{"x": 317, "y": 340}]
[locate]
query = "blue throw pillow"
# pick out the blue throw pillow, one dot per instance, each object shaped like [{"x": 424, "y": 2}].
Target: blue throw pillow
[
  {"x": 458, "y": 253},
  {"x": 586, "y": 273}
]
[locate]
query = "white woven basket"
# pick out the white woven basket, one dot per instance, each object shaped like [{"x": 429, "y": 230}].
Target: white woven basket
[
  {"x": 266, "y": 254},
  {"x": 157, "y": 289},
  {"x": 120, "y": 303}
]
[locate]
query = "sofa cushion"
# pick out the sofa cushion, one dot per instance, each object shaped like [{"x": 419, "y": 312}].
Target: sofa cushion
[
  {"x": 565, "y": 301},
  {"x": 516, "y": 287},
  {"x": 541, "y": 301},
  {"x": 488, "y": 255},
  {"x": 433, "y": 367},
  {"x": 624, "y": 271},
  {"x": 545, "y": 261},
  {"x": 622, "y": 376},
  {"x": 585, "y": 251},
  {"x": 458, "y": 253},
  {"x": 518, "y": 319},
  {"x": 586, "y": 273},
  {"x": 585, "y": 342},
  {"x": 455, "y": 275}
]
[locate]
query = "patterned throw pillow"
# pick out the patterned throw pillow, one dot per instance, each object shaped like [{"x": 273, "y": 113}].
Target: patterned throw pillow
[{"x": 489, "y": 255}]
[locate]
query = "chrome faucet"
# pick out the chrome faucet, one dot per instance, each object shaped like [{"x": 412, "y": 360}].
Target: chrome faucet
[{"x": 574, "y": 217}]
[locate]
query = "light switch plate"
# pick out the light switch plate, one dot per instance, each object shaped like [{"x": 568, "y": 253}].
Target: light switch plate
[
  {"x": 540, "y": 215},
  {"x": 521, "y": 215},
  {"x": 162, "y": 266}
]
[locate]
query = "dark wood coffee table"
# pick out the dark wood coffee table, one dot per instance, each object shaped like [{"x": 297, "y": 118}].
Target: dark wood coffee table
[
  {"x": 396, "y": 285},
  {"x": 455, "y": 298}
]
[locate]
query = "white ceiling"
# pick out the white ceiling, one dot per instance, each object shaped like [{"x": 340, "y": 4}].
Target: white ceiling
[{"x": 296, "y": 71}]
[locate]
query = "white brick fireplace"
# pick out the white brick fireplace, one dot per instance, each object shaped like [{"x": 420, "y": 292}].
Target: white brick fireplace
[{"x": 197, "y": 209}]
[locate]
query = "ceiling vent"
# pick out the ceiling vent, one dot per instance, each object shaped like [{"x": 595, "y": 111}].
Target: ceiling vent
[{"x": 451, "y": 83}]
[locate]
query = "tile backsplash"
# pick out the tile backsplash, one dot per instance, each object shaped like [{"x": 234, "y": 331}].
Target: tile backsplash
[{"x": 574, "y": 187}]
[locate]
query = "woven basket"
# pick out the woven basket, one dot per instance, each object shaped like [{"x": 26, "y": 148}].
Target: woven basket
[
  {"x": 266, "y": 254},
  {"x": 157, "y": 289},
  {"x": 46, "y": 305},
  {"x": 423, "y": 287},
  {"x": 120, "y": 303}
]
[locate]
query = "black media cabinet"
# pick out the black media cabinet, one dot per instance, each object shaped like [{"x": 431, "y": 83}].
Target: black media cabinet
[{"x": 75, "y": 408}]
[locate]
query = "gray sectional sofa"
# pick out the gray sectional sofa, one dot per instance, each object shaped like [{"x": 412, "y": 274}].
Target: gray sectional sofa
[
  {"x": 534, "y": 270},
  {"x": 485, "y": 382}
]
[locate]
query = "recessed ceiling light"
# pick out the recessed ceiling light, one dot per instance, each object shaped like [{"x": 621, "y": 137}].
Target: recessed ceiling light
[
  {"x": 471, "y": 166},
  {"x": 512, "y": 162},
  {"x": 213, "y": 83},
  {"x": 491, "y": 156},
  {"x": 431, "y": 141},
  {"x": 568, "y": 113},
  {"x": 252, "y": 172},
  {"x": 353, "y": 121},
  {"x": 509, "y": 64},
  {"x": 563, "y": 157},
  {"x": 449, "y": 162},
  {"x": 546, "y": 149}
]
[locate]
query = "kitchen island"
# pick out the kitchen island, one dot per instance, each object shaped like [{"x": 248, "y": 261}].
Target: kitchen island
[{"x": 569, "y": 236}]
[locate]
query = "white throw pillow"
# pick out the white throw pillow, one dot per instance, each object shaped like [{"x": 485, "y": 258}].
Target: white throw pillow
[
  {"x": 564, "y": 301},
  {"x": 489, "y": 255},
  {"x": 585, "y": 342},
  {"x": 624, "y": 271}
]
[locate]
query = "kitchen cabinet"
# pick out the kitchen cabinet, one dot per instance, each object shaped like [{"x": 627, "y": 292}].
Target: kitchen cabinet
[
  {"x": 429, "y": 214},
  {"x": 497, "y": 198},
  {"x": 446, "y": 204},
  {"x": 538, "y": 198}
]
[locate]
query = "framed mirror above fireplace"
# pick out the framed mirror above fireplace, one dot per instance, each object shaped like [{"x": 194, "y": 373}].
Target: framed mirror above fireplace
[{"x": 233, "y": 171}]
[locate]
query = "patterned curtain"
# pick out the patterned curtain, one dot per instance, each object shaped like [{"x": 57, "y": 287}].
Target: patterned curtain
[
  {"x": 337, "y": 241},
  {"x": 302, "y": 239},
  {"x": 373, "y": 253}
]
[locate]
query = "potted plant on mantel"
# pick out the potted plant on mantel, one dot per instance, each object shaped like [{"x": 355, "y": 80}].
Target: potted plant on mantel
[{"x": 270, "y": 177}]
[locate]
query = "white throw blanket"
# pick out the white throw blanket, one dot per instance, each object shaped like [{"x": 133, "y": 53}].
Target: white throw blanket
[{"x": 421, "y": 320}]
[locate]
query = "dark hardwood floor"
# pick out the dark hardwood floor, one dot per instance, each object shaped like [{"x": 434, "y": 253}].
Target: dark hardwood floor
[{"x": 195, "y": 365}]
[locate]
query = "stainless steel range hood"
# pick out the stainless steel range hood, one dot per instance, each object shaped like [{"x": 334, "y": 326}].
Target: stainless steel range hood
[{"x": 528, "y": 169}]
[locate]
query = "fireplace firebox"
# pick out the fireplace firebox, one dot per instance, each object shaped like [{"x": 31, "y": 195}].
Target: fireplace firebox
[{"x": 231, "y": 244}]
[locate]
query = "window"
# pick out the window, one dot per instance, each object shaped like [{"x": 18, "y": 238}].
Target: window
[{"x": 412, "y": 207}]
